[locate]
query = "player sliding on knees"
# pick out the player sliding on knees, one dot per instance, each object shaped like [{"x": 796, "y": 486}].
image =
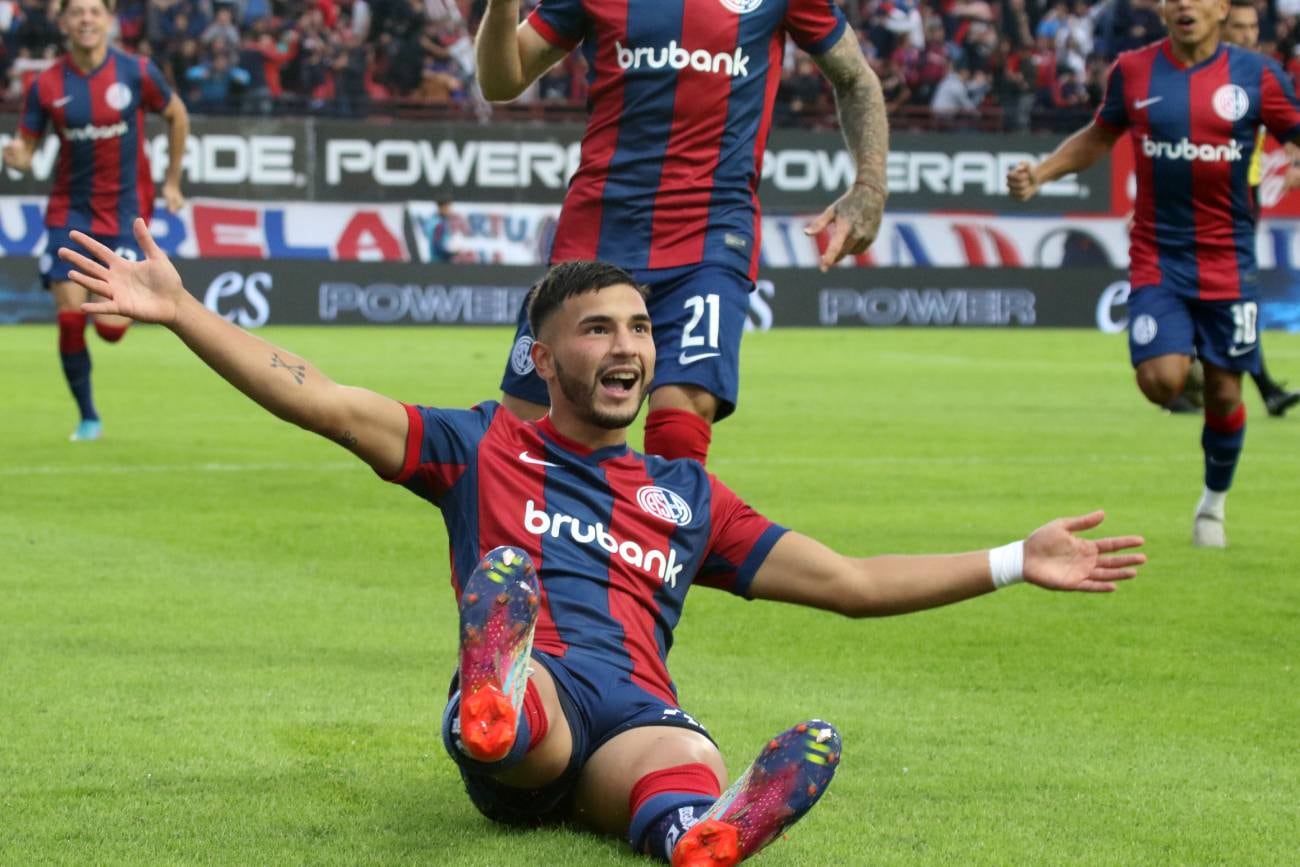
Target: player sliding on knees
[
  {"x": 1192, "y": 105},
  {"x": 571, "y": 558}
]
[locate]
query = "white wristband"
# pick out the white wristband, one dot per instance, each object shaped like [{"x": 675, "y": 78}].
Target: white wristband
[{"x": 1007, "y": 564}]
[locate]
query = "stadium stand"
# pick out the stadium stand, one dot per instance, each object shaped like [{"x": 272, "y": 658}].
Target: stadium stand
[{"x": 945, "y": 64}]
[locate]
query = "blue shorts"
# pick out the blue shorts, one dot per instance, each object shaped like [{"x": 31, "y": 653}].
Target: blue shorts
[
  {"x": 697, "y": 314},
  {"x": 599, "y": 702},
  {"x": 1222, "y": 333},
  {"x": 55, "y": 270}
]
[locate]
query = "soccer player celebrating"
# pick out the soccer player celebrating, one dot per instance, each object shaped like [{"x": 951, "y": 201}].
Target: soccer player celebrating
[
  {"x": 95, "y": 97},
  {"x": 571, "y": 557},
  {"x": 680, "y": 108},
  {"x": 1193, "y": 106},
  {"x": 1242, "y": 28}
]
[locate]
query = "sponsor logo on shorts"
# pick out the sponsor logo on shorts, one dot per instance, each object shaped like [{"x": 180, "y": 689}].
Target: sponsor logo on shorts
[
  {"x": 1230, "y": 102},
  {"x": 521, "y": 357},
  {"x": 678, "y": 713},
  {"x": 663, "y": 503},
  {"x": 685, "y": 359},
  {"x": 1238, "y": 351},
  {"x": 1144, "y": 329}
]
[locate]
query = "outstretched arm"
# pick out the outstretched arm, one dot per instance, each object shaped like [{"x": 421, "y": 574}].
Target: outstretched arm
[
  {"x": 854, "y": 218},
  {"x": 510, "y": 55},
  {"x": 803, "y": 571},
  {"x": 1075, "y": 154},
  {"x": 372, "y": 426}
]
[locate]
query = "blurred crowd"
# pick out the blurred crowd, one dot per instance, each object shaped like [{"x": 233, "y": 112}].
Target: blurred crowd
[{"x": 1012, "y": 63}]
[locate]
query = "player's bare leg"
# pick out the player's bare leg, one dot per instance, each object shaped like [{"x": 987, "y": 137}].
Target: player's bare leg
[
  {"x": 1221, "y": 439},
  {"x": 75, "y": 357},
  {"x": 548, "y": 758},
  {"x": 1163, "y": 378},
  {"x": 1192, "y": 399},
  {"x": 662, "y": 786},
  {"x": 524, "y": 409},
  {"x": 650, "y": 785},
  {"x": 680, "y": 422}
]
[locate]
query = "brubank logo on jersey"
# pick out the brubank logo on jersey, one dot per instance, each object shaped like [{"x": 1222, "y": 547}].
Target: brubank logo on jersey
[
  {"x": 90, "y": 132},
  {"x": 734, "y": 65},
  {"x": 663, "y": 566},
  {"x": 1189, "y": 151}
]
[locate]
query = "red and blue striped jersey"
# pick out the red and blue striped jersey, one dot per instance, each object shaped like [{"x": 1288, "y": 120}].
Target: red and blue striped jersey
[
  {"x": 680, "y": 106},
  {"x": 102, "y": 180},
  {"x": 617, "y": 537},
  {"x": 1193, "y": 130}
]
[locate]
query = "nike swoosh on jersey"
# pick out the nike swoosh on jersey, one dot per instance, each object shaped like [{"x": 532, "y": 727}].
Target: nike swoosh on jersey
[
  {"x": 61, "y": 101},
  {"x": 699, "y": 356},
  {"x": 1234, "y": 351},
  {"x": 1143, "y": 103},
  {"x": 529, "y": 459}
]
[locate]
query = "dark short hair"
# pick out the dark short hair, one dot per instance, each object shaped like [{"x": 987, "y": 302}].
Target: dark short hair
[
  {"x": 108, "y": 6},
  {"x": 572, "y": 278},
  {"x": 1242, "y": 4}
]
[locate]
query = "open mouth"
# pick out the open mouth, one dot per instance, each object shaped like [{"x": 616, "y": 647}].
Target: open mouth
[{"x": 620, "y": 382}]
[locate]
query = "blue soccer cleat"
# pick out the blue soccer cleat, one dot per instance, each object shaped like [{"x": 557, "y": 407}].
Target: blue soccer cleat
[
  {"x": 498, "y": 612},
  {"x": 782, "y": 784},
  {"x": 89, "y": 429}
]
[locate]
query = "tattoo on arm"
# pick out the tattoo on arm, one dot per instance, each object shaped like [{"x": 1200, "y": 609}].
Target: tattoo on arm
[
  {"x": 347, "y": 440},
  {"x": 861, "y": 107},
  {"x": 298, "y": 371}
]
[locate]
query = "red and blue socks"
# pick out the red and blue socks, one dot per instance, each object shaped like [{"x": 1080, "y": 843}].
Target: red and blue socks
[
  {"x": 1221, "y": 439},
  {"x": 529, "y": 731},
  {"x": 665, "y": 804},
  {"x": 677, "y": 433},
  {"x": 76, "y": 361}
]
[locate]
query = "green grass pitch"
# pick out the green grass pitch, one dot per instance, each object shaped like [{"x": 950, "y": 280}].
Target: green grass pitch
[{"x": 223, "y": 640}]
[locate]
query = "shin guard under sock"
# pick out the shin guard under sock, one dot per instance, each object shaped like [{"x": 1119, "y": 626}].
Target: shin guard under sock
[{"x": 1221, "y": 439}]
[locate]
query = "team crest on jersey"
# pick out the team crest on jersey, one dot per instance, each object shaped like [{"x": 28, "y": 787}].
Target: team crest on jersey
[
  {"x": 740, "y": 7},
  {"x": 118, "y": 96},
  {"x": 663, "y": 503},
  {"x": 521, "y": 357},
  {"x": 1230, "y": 102},
  {"x": 1144, "y": 329}
]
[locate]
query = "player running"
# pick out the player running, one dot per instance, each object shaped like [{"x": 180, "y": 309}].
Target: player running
[
  {"x": 95, "y": 97},
  {"x": 1192, "y": 105},
  {"x": 571, "y": 557},
  {"x": 1242, "y": 28},
  {"x": 680, "y": 108}
]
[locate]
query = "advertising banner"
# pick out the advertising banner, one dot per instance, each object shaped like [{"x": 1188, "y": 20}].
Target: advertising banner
[
  {"x": 255, "y": 293},
  {"x": 503, "y": 233},
  {"x": 310, "y": 159}
]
